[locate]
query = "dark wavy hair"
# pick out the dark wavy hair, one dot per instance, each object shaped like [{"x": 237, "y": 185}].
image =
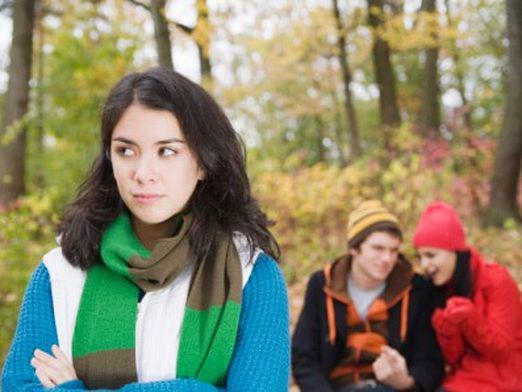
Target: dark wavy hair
[
  {"x": 222, "y": 201},
  {"x": 462, "y": 276},
  {"x": 462, "y": 280}
]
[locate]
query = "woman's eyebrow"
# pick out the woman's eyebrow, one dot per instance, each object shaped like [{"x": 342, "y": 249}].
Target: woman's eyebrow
[
  {"x": 160, "y": 142},
  {"x": 173, "y": 140},
  {"x": 124, "y": 140}
]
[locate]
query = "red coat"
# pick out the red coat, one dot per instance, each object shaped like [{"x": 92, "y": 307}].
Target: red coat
[{"x": 482, "y": 339}]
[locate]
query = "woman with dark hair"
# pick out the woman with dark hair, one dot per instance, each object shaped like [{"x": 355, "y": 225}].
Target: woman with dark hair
[
  {"x": 479, "y": 321},
  {"x": 165, "y": 276}
]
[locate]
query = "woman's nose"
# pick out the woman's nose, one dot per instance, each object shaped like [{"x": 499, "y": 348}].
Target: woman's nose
[
  {"x": 146, "y": 170},
  {"x": 424, "y": 262}
]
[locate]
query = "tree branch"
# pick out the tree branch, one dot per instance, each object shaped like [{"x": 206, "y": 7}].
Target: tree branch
[
  {"x": 139, "y": 4},
  {"x": 181, "y": 26},
  {"x": 184, "y": 28}
]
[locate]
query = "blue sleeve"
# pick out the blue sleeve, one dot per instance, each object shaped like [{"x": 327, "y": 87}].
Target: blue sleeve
[
  {"x": 261, "y": 358},
  {"x": 35, "y": 329}
]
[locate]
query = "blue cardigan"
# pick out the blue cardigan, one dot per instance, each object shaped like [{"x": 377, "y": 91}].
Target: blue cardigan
[{"x": 261, "y": 360}]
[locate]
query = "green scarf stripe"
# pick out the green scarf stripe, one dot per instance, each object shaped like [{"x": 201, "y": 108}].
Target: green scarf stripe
[
  {"x": 205, "y": 335},
  {"x": 107, "y": 307},
  {"x": 119, "y": 243}
]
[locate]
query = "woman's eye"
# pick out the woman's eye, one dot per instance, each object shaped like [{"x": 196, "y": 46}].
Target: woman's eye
[
  {"x": 166, "y": 152},
  {"x": 125, "y": 151}
]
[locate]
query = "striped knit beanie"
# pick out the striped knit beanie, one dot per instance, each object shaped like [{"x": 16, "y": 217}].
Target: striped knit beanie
[{"x": 370, "y": 214}]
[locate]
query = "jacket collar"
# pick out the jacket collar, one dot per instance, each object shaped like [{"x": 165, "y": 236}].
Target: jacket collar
[{"x": 397, "y": 283}]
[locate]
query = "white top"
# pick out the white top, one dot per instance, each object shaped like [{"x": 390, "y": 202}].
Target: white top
[
  {"x": 160, "y": 313},
  {"x": 361, "y": 298}
]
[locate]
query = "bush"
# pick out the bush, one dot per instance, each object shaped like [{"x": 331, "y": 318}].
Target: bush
[
  {"x": 311, "y": 204},
  {"x": 27, "y": 232}
]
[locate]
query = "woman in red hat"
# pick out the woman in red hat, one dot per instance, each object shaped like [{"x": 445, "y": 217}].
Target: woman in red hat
[{"x": 479, "y": 323}]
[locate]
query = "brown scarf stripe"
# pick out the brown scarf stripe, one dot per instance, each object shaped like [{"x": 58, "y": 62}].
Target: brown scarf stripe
[
  {"x": 111, "y": 369},
  {"x": 204, "y": 293},
  {"x": 163, "y": 266}
]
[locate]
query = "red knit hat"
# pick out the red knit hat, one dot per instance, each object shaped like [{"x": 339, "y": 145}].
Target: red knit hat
[{"x": 440, "y": 227}]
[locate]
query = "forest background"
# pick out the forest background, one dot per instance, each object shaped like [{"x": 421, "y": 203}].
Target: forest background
[{"x": 337, "y": 101}]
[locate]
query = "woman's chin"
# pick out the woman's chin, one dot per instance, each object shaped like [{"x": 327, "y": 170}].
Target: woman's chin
[
  {"x": 434, "y": 278},
  {"x": 439, "y": 280}
]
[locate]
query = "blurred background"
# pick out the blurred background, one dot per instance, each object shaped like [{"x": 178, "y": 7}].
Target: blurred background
[{"x": 337, "y": 101}]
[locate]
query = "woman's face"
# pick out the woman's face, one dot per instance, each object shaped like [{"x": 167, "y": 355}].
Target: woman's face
[
  {"x": 439, "y": 264},
  {"x": 154, "y": 168}
]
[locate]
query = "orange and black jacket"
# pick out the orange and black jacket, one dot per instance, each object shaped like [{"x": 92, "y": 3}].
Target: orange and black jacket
[{"x": 333, "y": 347}]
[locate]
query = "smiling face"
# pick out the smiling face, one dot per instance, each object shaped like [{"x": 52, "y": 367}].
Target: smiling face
[
  {"x": 375, "y": 259},
  {"x": 439, "y": 264},
  {"x": 155, "y": 171}
]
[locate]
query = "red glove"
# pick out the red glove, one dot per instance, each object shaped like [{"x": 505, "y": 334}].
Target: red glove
[
  {"x": 443, "y": 325},
  {"x": 459, "y": 309},
  {"x": 449, "y": 336}
]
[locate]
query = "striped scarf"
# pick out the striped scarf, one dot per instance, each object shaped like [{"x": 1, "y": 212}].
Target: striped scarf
[{"x": 105, "y": 332}]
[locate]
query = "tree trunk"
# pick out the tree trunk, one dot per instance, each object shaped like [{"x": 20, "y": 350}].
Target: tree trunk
[
  {"x": 12, "y": 147},
  {"x": 39, "y": 151},
  {"x": 338, "y": 128},
  {"x": 388, "y": 107},
  {"x": 462, "y": 91},
  {"x": 161, "y": 33},
  {"x": 319, "y": 125},
  {"x": 506, "y": 174},
  {"x": 458, "y": 74},
  {"x": 397, "y": 6},
  {"x": 203, "y": 29},
  {"x": 430, "y": 113},
  {"x": 320, "y": 153},
  {"x": 204, "y": 63},
  {"x": 353, "y": 131}
]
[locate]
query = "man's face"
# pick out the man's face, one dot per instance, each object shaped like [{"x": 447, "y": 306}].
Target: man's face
[{"x": 375, "y": 258}]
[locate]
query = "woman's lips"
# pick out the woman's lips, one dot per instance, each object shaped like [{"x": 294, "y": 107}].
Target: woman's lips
[{"x": 146, "y": 198}]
